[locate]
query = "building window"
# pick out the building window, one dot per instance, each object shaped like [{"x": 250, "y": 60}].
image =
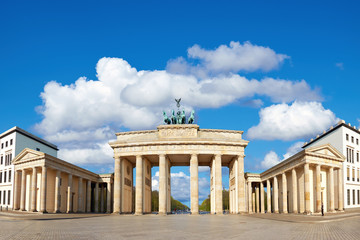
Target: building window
[
  {"x": 348, "y": 174},
  {"x": 353, "y": 174},
  {"x": 358, "y": 175},
  {"x": 10, "y": 176},
  {"x": 11, "y": 142},
  {"x": 2, "y": 146},
  {"x": 9, "y": 196},
  {"x": 0, "y": 197},
  {"x": 4, "y": 197},
  {"x": 358, "y": 196},
  {"x": 357, "y": 141},
  {"x": 4, "y": 176},
  {"x": 348, "y": 196},
  {"x": 2, "y": 159},
  {"x": 357, "y": 156},
  {"x": 353, "y": 196},
  {"x": 352, "y": 139},
  {"x": 0, "y": 177},
  {"x": 347, "y": 137},
  {"x": 6, "y": 143}
]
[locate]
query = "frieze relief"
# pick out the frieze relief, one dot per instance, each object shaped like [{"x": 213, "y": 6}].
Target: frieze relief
[
  {"x": 178, "y": 133},
  {"x": 127, "y": 182}
]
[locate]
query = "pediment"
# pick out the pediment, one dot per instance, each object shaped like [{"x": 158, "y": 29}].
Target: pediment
[
  {"x": 327, "y": 150},
  {"x": 27, "y": 154}
]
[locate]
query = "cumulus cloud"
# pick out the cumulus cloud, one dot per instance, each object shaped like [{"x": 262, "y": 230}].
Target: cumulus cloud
[
  {"x": 233, "y": 58},
  {"x": 289, "y": 122},
  {"x": 80, "y": 116},
  {"x": 180, "y": 186},
  {"x": 271, "y": 158}
]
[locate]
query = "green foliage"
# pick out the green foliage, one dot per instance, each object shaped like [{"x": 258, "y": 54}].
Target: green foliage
[
  {"x": 206, "y": 206},
  {"x": 175, "y": 204}
]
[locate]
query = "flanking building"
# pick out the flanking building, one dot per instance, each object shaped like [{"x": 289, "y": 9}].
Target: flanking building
[
  {"x": 345, "y": 138},
  {"x": 304, "y": 183},
  {"x": 12, "y": 142}
]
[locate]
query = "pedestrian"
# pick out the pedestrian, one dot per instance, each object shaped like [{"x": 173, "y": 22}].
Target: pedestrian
[{"x": 322, "y": 209}]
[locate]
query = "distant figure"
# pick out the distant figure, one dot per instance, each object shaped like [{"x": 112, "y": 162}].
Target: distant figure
[{"x": 322, "y": 209}]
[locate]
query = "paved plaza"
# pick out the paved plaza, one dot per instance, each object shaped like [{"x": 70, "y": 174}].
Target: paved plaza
[{"x": 257, "y": 226}]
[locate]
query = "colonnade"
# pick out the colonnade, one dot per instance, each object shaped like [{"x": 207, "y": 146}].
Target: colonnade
[
  {"x": 302, "y": 189},
  {"x": 141, "y": 205},
  {"x": 57, "y": 191}
]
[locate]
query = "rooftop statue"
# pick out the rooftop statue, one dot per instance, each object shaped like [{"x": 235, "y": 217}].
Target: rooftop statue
[
  {"x": 166, "y": 118},
  {"x": 192, "y": 117},
  {"x": 180, "y": 117}
]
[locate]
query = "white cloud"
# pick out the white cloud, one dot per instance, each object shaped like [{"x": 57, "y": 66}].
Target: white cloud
[
  {"x": 81, "y": 116},
  {"x": 99, "y": 154},
  {"x": 289, "y": 122},
  {"x": 224, "y": 59},
  {"x": 271, "y": 159},
  {"x": 293, "y": 149}
]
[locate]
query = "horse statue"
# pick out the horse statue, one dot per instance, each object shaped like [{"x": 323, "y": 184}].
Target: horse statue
[
  {"x": 166, "y": 119},
  {"x": 183, "y": 117},
  {"x": 192, "y": 117},
  {"x": 173, "y": 118}
]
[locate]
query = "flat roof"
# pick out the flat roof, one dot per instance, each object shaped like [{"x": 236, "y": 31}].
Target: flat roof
[
  {"x": 332, "y": 129},
  {"x": 29, "y": 135}
]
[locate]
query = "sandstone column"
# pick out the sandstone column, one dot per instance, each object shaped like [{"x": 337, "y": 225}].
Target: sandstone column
[
  {"x": 108, "y": 198},
  {"x": 276, "y": 195},
  {"x": 294, "y": 190},
  {"x": 23, "y": 190},
  {"x": 318, "y": 189},
  {"x": 262, "y": 208},
  {"x": 284, "y": 190},
  {"x": 102, "y": 196},
  {"x": 69, "y": 195},
  {"x": 253, "y": 201},
  {"x": 332, "y": 194},
  {"x": 43, "y": 190},
  {"x": 307, "y": 188},
  {"x": 218, "y": 185},
  {"x": 88, "y": 197},
  {"x": 96, "y": 193},
  {"x": 250, "y": 197},
  {"x": 341, "y": 197},
  {"x": 162, "y": 184},
  {"x": 80, "y": 196},
  {"x": 16, "y": 191},
  {"x": 241, "y": 185},
  {"x": 117, "y": 185},
  {"x": 139, "y": 186},
  {"x": 268, "y": 191},
  {"x": 194, "y": 184},
  {"x": 57, "y": 192},
  {"x": 33, "y": 189},
  {"x": 257, "y": 199}
]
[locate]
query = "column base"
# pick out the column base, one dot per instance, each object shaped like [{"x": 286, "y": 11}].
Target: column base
[
  {"x": 33, "y": 210},
  {"x": 57, "y": 211},
  {"x": 162, "y": 214},
  {"x": 286, "y": 212},
  {"x": 307, "y": 212},
  {"x": 195, "y": 213},
  {"x": 43, "y": 211},
  {"x": 262, "y": 212},
  {"x": 138, "y": 214},
  {"x": 276, "y": 211}
]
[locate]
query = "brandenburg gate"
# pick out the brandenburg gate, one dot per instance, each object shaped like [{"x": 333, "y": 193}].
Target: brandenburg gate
[{"x": 177, "y": 145}]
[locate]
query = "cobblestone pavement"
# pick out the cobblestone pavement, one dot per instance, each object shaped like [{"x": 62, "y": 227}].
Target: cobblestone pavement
[{"x": 83, "y": 226}]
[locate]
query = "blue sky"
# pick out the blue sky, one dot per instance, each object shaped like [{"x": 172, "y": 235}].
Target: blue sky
[{"x": 297, "y": 64}]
